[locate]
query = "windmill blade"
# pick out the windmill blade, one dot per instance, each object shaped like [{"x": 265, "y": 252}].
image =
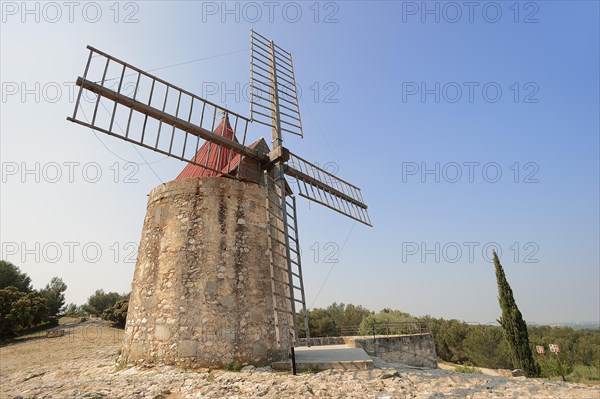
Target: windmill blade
[
  {"x": 140, "y": 108},
  {"x": 320, "y": 186},
  {"x": 273, "y": 95}
]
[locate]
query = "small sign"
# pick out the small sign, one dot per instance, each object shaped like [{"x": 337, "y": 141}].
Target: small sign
[
  {"x": 540, "y": 349},
  {"x": 554, "y": 348}
]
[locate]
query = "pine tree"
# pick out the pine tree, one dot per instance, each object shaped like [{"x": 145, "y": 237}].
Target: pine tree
[{"x": 513, "y": 325}]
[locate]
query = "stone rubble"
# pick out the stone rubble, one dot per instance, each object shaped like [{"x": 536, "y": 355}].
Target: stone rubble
[
  {"x": 70, "y": 367},
  {"x": 168, "y": 382}
]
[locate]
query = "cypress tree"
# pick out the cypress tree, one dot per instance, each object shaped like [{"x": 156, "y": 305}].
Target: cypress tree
[{"x": 513, "y": 325}]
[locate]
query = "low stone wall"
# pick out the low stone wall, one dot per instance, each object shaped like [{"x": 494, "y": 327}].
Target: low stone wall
[
  {"x": 320, "y": 341},
  {"x": 416, "y": 350}
]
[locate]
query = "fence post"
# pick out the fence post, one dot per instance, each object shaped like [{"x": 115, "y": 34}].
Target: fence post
[{"x": 374, "y": 340}]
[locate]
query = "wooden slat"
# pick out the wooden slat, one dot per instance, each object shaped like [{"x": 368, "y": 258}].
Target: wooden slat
[{"x": 171, "y": 120}]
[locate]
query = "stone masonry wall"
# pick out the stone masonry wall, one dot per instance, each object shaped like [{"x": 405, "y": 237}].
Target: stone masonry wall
[
  {"x": 413, "y": 350},
  {"x": 201, "y": 294}
]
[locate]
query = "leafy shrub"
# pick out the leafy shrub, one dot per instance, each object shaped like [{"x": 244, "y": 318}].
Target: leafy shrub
[
  {"x": 485, "y": 346},
  {"x": 117, "y": 313},
  {"x": 310, "y": 370},
  {"x": 100, "y": 301},
  {"x": 20, "y": 311},
  {"x": 235, "y": 366},
  {"x": 583, "y": 373},
  {"x": 467, "y": 370},
  {"x": 378, "y": 324},
  {"x": 327, "y": 322},
  {"x": 72, "y": 310}
]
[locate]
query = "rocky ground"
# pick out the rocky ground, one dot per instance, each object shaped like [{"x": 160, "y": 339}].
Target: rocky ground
[{"x": 81, "y": 364}]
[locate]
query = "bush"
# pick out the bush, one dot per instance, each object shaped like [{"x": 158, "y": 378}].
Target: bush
[
  {"x": 117, "y": 313},
  {"x": 583, "y": 373},
  {"x": 310, "y": 370},
  {"x": 321, "y": 324},
  {"x": 72, "y": 310},
  {"x": 235, "y": 366},
  {"x": 467, "y": 370},
  {"x": 20, "y": 311},
  {"x": 328, "y": 322},
  {"x": 376, "y": 323},
  {"x": 485, "y": 346},
  {"x": 22, "y": 308},
  {"x": 449, "y": 336},
  {"x": 100, "y": 301}
]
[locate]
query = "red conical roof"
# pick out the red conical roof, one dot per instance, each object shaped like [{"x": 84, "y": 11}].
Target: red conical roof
[{"x": 212, "y": 155}]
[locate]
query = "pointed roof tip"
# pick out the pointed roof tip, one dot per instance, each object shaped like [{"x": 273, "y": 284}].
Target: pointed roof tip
[
  {"x": 224, "y": 128},
  {"x": 213, "y": 156}
]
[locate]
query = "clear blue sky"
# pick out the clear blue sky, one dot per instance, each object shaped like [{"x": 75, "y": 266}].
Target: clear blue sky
[{"x": 517, "y": 92}]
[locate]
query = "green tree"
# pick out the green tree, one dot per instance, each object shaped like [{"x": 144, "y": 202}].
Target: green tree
[
  {"x": 513, "y": 325},
  {"x": 353, "y": 315},
  {"x": 20, "y": 310},
  {"x": 73, "y": 310},
  {"x": 8, "y": 324},
  {"x": 29, "y": 310},
  {"x": 485, "y": 346},
  {"x": 328, "y": 322},
  {"x": 577, "y": 347},
  {"x": 385, "y": 322},
  {"x": 321, "y": 324},
  {"x": 100, "y": 301},
  {"x": 117, "y": 313},
  {"x": 346, "y": 315},
  {"x": 11, "y": 276},
  {"x": 450, "y": 339},
  {"x": 371, "y": 325},
  {"x": 55, "y": 294}
]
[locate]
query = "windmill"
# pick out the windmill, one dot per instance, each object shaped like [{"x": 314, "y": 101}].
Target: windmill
[{"x": 135, "y": 106}]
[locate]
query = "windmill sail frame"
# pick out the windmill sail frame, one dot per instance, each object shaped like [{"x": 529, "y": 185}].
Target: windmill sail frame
[
  {"x": 272, "y": 82},
  {"x": 184, "y": 122},
  {"x": 318, "y": 185}
]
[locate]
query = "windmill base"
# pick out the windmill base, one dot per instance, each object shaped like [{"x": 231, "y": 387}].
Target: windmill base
[{"x": 201, "y": 293}]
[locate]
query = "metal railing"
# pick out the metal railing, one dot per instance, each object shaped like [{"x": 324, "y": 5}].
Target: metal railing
[{"x": 399, "y": 328}]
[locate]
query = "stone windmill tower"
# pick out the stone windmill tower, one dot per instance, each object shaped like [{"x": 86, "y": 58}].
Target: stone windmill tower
[{"x": 218, "y": 277}]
